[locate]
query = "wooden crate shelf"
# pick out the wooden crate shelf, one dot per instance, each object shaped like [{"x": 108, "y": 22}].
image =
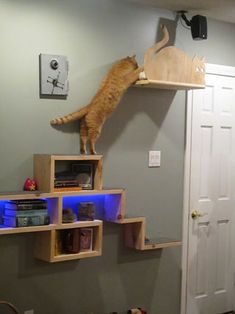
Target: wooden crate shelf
[
  {"x": 135, "y": 235},
  {"x": 50, "y": 253},
  {"x": 46, "y": 166},
  {"x": 110, "y": 206}
]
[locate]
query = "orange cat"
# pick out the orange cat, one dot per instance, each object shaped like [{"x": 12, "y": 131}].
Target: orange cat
[{"x": 121, "y": 76}]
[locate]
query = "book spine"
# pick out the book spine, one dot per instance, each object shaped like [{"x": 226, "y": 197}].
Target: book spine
[
  {"x": 65, "y": 184},
  {"x": 19, "y": 213},
  {"x": 25, "y": 206},
  {"x": 26, "y": 221}
]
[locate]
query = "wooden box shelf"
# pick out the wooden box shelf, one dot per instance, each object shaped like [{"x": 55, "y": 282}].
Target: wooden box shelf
[
  {"x": 53, "y": 205},
  {"x": 46, "y": 166},
  {"x": 52, "y": 254},
  {"x": 109, "y": 205},
  {"x": 135, "y": 235}
]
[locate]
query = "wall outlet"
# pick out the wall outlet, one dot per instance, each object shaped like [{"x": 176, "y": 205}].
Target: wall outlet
[
  {"x": 29, "y": 312},
  {"x": 154, "y": 158}
]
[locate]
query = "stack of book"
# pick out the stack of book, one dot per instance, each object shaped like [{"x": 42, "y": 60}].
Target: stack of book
[{"x": 24, "y": 213}]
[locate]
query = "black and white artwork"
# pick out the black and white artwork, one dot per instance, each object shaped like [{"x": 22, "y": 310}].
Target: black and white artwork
[{"x": 53, "y": 75}]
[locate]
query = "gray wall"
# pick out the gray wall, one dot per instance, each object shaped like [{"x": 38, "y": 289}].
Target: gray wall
[{"x": 92, "y": 34}]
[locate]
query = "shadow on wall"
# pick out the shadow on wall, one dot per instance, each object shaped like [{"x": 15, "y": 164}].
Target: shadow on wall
[
  {"x": 171, "y": 26},
  {"x": 153, "y": 103}
]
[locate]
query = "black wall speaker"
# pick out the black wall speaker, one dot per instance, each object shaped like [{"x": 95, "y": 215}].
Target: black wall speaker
[{"x": 199, "y": 27}]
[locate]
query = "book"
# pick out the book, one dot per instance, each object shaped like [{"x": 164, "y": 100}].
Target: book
[
  {"x": 26, "y": 221},
  {"x": 68, "y": 189},
  {"x": 28, "y": 201},
  {"x": 86, "y": 239},
  {"x": 28, "y": 212},
  {"x": 70, "y": 241},
  {"x": 65, "y": 183},
  {"x": 26, "y": 204},
  {"x": 86, "y": 211}
]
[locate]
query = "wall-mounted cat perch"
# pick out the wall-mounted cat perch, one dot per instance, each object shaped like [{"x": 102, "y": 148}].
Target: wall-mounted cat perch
[{"x": 171, "y": 68}]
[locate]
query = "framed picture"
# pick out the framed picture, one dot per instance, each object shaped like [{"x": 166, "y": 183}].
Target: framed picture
[
  {"x": 84, "y": 175},
  {"x": 86, "y": 239}
]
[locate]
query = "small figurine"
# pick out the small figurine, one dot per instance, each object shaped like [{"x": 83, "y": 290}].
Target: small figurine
[
  {"x": 119, "y": 217},
  {"x": 30, "y": 185},
  {"x": 68, "y": 216}
]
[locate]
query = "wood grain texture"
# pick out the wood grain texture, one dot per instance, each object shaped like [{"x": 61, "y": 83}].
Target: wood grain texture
[
  {"x": 170, "y": 68},
  {"x": 167, "y": 85}
]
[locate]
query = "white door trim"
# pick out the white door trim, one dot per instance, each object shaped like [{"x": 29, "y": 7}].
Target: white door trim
[{"x": 213, "y": 69}]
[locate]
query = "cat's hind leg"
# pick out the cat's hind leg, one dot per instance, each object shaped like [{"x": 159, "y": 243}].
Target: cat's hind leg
[
  {"x": 83, "y": 136},
  {"x": 93, "y": 134}
]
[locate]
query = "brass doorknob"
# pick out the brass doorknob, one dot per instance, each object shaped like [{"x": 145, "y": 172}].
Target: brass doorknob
[{"x": 196, "y": 214}]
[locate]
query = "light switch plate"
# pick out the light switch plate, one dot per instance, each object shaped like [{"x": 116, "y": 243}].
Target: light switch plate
[
  {"x": 154, "y": 158},
  {"x": 53, "y": 75}
]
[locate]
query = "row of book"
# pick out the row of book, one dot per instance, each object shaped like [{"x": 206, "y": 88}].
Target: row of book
[{"x": 24, "y": 213}]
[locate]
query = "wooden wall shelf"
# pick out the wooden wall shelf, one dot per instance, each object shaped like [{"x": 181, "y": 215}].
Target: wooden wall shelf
[
  {"x": 167, "y": 85},
  {"x": 135, "y": 235},
  {"x": 51, "y": 253},
  {"x": 168, "y": 67},
  {"x": 9, "y": 230},
  {"x": 109, "y": 206}
]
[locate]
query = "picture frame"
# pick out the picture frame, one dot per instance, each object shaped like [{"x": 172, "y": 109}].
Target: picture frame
[{"x": 86, "y": 239}]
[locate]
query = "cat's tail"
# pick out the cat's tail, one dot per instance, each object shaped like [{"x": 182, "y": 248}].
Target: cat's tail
[
  {"x": 155, "y": 48},
  {"x": 70, "y": 117}
]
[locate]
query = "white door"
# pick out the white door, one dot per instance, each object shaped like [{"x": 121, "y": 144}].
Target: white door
[{"x": 210, "y": 275}]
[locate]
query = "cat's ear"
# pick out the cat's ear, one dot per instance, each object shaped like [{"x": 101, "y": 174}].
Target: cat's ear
[
  {"x": 203, "y": 59},
  {"x": 133, "y": 57}
]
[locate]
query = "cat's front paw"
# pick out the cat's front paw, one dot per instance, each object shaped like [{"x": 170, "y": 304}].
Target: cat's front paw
[
  {"x": 83, "y": 151},
  {"x": 142, "y": 76}
]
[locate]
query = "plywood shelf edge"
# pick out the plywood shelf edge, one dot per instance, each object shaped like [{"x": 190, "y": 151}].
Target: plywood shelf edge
[
  {"x": 69, "y": 257},
  {"x": 167, "y": 85},
  {"x": 160, "y": 245},
  {"x": 9, "y": 230}
]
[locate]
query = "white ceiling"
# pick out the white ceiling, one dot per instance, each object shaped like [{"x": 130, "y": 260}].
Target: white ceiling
[{"x": 223, "y": 10}]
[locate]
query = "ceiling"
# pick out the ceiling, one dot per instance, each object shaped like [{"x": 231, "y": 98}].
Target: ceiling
[{"x": 223, "y": 10}]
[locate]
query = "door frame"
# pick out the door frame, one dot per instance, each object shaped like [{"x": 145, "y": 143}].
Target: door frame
[{"x": 212, "y": 69}]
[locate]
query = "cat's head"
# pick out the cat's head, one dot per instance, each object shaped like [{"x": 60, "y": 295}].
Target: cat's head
[
  {"x": 127, "y": 65},
  {"x": 132, "y": 60}
]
